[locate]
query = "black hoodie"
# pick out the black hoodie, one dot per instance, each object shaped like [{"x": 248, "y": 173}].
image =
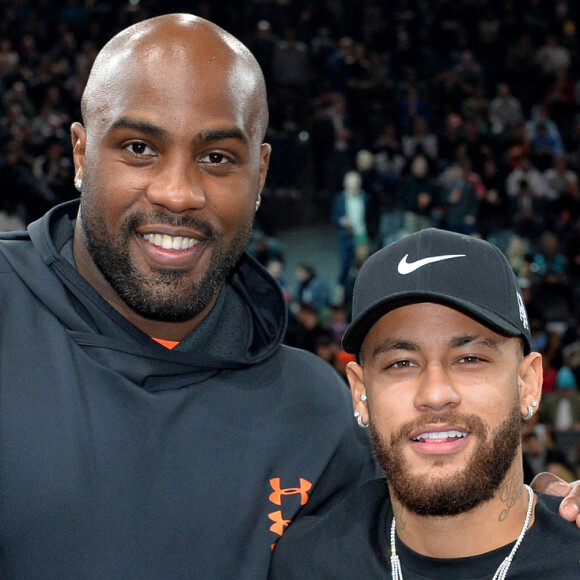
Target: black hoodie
[{"x": 121, "y": 459}]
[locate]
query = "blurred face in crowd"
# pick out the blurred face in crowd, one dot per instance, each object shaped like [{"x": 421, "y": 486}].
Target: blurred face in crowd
[
  {"x": 445, "y": 397},
  {"x": 172, "y": 166}
]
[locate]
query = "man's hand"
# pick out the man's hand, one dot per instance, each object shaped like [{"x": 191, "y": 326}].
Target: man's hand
[{"x": 552, "y": 484}]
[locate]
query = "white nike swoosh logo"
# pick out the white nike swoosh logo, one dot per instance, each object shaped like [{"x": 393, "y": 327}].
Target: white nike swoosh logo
[{"x": 405, "y": 268}]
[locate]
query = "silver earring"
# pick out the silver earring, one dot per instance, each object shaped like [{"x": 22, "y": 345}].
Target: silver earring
[
  {"x": 258, "y": 202},
  {"x": 530, "y": 413},
  {"x": 79, "y": 184},
  {"x": 534, "y": 403},
  {"x": 363, "y": 398},
  {"x": 361, "y": 424}
]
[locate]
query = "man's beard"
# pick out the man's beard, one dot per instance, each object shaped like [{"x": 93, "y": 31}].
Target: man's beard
[
  {"x": 166, "y": 295},
  {"x": 458, "y": 492}
]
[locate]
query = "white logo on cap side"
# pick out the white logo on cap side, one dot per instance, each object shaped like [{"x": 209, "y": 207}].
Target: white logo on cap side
[{"x": 405, "y": 267}]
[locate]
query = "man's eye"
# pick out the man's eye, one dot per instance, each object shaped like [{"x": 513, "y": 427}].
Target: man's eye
[
  {"x": 139, "y": 148},
  {"x": 402, "y": 364},
  {"x": 215, "y": 159},
  {"x": 470, "y": 359}
]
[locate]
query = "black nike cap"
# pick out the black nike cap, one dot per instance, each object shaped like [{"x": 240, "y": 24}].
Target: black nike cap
[{"x": 435, "y": 265}]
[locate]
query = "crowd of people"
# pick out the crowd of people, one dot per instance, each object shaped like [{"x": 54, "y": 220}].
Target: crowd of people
[{"x": 463, "y": 116}]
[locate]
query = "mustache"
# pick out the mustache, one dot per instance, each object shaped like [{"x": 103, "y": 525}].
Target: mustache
[
  {"x": 182, "y": 221},
  {"x": 471, "y": 422}
]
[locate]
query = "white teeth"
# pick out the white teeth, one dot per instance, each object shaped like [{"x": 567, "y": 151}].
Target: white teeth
[
  {"x": 169, "y": 242},
  {"x": 441, "y": 435}
]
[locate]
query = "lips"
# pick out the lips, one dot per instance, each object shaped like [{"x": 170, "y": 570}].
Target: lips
[{"x": 179, "y": 249}]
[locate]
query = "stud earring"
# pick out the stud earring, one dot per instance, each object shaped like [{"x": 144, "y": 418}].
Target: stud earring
[
  {"x": 363, "y": 398},
  {"x": 258, "y": 202},
  {"x": 78, "y": 184}
]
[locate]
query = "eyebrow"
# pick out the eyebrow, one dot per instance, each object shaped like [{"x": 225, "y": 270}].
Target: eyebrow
[
  {"x": 203, "y": 137},
  {"x": 142, "y": 127},
  {"x": 389, "y": 345},
  {"x": 459, "y": 341},
  {"x": 408, "y": 345},
  {"x": 210, "y": 135}
]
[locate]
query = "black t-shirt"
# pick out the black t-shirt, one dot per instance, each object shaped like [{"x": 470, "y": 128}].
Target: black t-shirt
[{"x": 352, "y": 541}]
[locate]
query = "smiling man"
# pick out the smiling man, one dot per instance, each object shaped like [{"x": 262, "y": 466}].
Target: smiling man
[
  {"x": 444, "y": 378},
  {"x": 152, "y": 425}
]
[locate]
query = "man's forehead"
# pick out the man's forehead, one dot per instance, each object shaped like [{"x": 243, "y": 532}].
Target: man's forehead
[{"x": 410, "y": 326}]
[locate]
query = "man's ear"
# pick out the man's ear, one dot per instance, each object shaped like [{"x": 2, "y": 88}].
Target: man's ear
[
  {"x": 79, "y": 141},
  {"x": 530, "y": 380},
  {"x": 265, "y": 151},
  {"x": 354, "y": 374}
]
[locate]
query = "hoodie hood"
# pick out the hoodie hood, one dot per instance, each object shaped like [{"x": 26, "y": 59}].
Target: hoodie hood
[{"x": 245, "y": 327}]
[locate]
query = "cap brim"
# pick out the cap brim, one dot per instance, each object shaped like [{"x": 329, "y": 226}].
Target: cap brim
[{"x": 358, "y": 329}]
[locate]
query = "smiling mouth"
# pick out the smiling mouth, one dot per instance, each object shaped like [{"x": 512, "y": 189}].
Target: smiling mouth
[
  {"x": 441, "y": 436},
  {"x": 166, "y": 242}
]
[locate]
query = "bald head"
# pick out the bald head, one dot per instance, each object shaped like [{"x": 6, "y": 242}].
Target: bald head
[{"x": 176, "y": 47}]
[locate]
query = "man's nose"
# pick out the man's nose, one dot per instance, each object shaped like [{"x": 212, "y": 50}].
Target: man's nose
[
  {"x": 436, "y": 389},
  {"x": 177, "y": 188}
]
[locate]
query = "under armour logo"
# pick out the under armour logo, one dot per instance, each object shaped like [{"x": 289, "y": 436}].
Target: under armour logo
[
  {"x": 276, "y": 495},
  {"x": 279, "y": 523}
]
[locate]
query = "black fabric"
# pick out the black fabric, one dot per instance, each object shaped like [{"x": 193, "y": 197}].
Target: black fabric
[
  {"x": 121, "y": 459},
  {"x": 352, "y": 541}
]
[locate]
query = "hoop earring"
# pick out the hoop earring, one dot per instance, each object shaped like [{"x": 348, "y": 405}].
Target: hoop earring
[{"x": 360, "y": 421}]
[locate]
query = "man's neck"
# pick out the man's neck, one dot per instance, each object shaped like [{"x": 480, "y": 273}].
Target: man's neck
[{"x": 491, "y": 525}]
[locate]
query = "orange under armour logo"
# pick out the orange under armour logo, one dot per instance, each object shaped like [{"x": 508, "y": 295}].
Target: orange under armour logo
[
  {"x": 276, "y": 495},
  {"x": 276, "y": 498},
  {"x": 279, "y": 522}
]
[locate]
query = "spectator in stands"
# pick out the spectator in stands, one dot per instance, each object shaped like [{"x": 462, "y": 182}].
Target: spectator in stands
[
  {"x": 558, "y": 176},
  {"x": 418, "y": 195},
  {"x": 544, "y": 147},
  {"x": 420, "y": 140},
  {"x": 461, "y": 202},
  {"x": 311, "y": 288},
  {"x": 552, "y": 56},
  {"x": 533, "y": 177},
  {"x": 561, "y": 410},
  {"x": 349, "y": 214},
  {"x": 527, "y": 211},
  {"x": 540, "y": 454},
  {"x": 505, "y": 111}
]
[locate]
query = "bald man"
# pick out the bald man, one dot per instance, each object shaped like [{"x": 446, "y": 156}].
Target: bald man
[{"x": 151, "y": 423}]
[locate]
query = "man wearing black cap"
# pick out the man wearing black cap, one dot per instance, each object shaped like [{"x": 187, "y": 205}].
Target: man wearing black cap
[{"x": 444, "y": 378}]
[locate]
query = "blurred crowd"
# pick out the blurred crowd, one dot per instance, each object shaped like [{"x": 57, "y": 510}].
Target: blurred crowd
[{"x": 386, "y": 118}]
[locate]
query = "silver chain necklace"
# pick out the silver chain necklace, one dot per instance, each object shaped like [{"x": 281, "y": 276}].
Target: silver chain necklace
[{"x": 501, "y": 572}]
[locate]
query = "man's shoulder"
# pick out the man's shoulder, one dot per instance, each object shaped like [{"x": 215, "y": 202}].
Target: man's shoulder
[
  {"x": 312, "y": 375},
  {"x": 551, "y": 548},
  {"x": 547, "y": 516},
  {"x": 329, "y": 542},
  {"x": 8, "y": 242}
]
